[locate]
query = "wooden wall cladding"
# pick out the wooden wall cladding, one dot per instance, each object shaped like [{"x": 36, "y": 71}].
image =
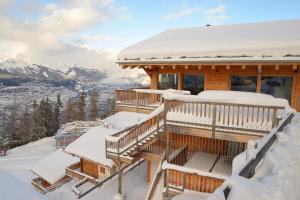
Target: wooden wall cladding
[{"x": 89, "y": 168}]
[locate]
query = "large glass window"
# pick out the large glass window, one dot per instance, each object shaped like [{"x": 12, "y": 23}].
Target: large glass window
[
  {"x": 167, "y": 81},
  {"x": 244, "y": 83},
  {"x": 277, "y": 86},
  {"x": 193, "y": 83}
]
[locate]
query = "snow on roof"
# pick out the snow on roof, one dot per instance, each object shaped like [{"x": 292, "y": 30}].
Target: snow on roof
[
  {"x": 124, "y": 120},
  {"x": 91, "y": 145},
  {"x": 53, "y": 167},
  {"x": 276, "y": 40},
  {"x": 14, "y": 189},
  {"x": 238, "y": 97}
]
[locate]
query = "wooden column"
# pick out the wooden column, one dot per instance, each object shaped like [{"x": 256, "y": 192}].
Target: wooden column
[
  {"x": 180, "y": 81},
  {"x": 259, "y": 72},
  {"x": 294, "y": 94},
  {"x": 119, "y": 177},
  {"x": 148, "y": 171}
]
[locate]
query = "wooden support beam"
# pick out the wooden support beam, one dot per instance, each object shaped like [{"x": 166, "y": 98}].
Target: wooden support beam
[
  {"x": 295, "y": 67},
  {"x": 259, "y": 69}
]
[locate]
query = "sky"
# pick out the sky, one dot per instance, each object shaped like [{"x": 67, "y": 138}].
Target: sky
[{"x": 90, "y": 33}]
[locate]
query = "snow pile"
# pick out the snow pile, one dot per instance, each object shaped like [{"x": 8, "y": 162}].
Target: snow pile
[
  {"x": 14, "y": 189},
  {"x": 277, "y": 40},
  {"x": 124, "y": 120},
  {"x": 92, "y": 145},
  {"x": 231, "y": 97},
  {"x": 191, "y": 195},
  {"x": 277, "y": 177},
  {"x": 53, "y": 167}
]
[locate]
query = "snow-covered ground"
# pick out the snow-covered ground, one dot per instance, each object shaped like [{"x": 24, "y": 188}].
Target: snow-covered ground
[{"x": 20, "y": 160}]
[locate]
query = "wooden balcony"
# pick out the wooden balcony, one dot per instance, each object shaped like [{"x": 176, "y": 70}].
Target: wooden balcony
[{"x": 138, "y": 100}]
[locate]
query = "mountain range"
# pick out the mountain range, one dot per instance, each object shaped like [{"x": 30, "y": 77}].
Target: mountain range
[{"x": 16, "y": 67}]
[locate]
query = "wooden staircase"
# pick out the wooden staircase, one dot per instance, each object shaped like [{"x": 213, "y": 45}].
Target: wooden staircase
[{"x": 127, "y": 147}]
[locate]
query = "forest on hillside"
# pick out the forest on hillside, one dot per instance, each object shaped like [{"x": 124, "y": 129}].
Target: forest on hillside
[{"x": 20, "y": 124}]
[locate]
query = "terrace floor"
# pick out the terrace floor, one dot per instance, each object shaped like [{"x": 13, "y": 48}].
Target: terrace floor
[{"x": 210, "y": 163}]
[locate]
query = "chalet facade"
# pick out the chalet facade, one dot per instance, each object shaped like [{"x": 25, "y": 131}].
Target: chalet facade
[
  {"x": 258, "y": 57},
  {"x": 192, "y": 134}
]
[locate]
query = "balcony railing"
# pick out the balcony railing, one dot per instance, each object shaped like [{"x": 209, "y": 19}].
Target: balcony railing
[
  {"x": 138, "y": 99},
  {"x": 218, "y": 116}
]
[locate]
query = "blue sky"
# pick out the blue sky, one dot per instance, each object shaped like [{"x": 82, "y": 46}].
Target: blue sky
[
  {"x": 147, "y": 18},
  {"x": 92, "y": 32}
]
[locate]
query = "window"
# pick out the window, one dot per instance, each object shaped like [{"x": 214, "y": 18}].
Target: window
[
  {"x": 167, "y": 81},
  {"x": 277, "y": 86},
  {"x": 102, "y": 170},
  {"x": 193, "y": 83},
  {"x": 244, "y": 83}
]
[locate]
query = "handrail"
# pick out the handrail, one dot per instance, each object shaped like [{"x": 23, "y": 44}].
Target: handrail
[
  {"x": 248, "y": 169},
  {"x": 156, "y": 178},
  {"x": 132, "y": 138}
]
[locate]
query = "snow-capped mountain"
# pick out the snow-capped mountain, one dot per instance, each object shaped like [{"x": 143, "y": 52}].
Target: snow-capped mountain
[{"x": 17, "y": 67}]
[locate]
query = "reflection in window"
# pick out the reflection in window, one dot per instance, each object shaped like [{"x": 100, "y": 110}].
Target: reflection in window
[
  {"x": 194, "y": 83},
  {"x": 244, "y": 83},
  {"x": 280, "y": 87},
  {"x": 167, "y": 81}
]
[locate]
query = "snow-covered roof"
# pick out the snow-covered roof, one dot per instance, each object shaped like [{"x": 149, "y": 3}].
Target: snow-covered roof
[
  {"x": 276, "y": 40},
  {"x": 53, "y": 167},
  {"x": 91, "y": 145},
  {"x": 14, "y": 189},
  {"x": 123, "y": 120}
]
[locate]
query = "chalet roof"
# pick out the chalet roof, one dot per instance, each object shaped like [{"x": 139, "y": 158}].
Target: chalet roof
[
  {"x": 91, "y": 145},
  {"x": 53, "y": 167},
  {"x": 266, "y": 41}
]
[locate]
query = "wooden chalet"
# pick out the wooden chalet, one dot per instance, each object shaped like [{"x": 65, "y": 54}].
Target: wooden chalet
[
  {"x": 93, "y": 164},
  {"x": 51, "y": 171},
  {"x": 192, "y": 139}
]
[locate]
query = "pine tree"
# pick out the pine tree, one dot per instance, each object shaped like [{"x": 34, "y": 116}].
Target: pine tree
[
  {"x": 24, "y": 127},
  {"x": 38, "y": 129},
  {"x": 57, "y": 113},
  {"x": 81, "y": 107},
  {"x": 94, "y": 108}
]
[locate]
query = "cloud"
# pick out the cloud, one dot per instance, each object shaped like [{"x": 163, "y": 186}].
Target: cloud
[
  {"x": 45, "y": 38},
  {"x": 215, "y": 15},
  {"x": 183, "y": 12}
]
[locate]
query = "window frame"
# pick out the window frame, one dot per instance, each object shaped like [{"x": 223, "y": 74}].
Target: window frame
[
  {"x": 178, "y": 81},
  {"x": 194, "y": 74}
]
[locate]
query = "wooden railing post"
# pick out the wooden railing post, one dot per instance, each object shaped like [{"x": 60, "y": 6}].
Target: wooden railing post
[
  {"x": 213, "y": 128},
  {"x": 274, "y": 118},
  {"x": 137, "y": 101}
]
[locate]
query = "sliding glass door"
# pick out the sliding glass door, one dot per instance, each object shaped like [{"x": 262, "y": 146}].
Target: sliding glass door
[
  {"x": 277, "y": 86},
  {"x": 193, "y": 83},
  {"x": 167, "y": 81},
  {"x": 244, "y": 83}
]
